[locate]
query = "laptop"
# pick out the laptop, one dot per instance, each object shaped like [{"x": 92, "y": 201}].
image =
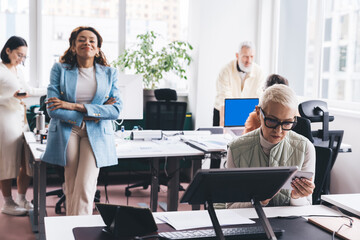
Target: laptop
[{"x": 236, "y": 113}]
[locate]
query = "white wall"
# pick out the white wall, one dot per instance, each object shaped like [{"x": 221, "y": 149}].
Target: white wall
[
  {"x": 345, "y": 177},
  {"x": 215, "y": 30},
  {"x": 292, "y": 42}
]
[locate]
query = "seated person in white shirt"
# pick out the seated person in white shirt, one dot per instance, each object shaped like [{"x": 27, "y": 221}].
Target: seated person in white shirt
[{"x": 275, "y": 145}]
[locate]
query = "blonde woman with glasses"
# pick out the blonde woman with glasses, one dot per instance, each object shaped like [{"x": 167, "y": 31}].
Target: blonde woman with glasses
[{"x": 275, "y": 145}]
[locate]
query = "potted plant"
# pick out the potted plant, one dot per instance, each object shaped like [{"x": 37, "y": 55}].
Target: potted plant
[{"x": 152, "y": 63}]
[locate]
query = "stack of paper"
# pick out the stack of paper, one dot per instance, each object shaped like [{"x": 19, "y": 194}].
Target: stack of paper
[{"x": 200, "y": 219}]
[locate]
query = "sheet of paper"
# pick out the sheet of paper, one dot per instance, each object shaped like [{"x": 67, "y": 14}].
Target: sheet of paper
[{"x": 198, "y": 219}]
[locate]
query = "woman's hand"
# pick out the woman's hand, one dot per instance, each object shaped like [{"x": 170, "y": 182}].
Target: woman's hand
[
  {"x": 302, "y": 187},
  {"x": 20, "y": 97},
  {"x": 110, "y": 101},
  {"x": 265, "y": 202},
  {"x": 57, "y": 104}
]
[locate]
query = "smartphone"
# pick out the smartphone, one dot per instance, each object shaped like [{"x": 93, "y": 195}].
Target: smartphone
[
  {"x": 21, "y": 94},
  {"x": 298, "y": 174}
]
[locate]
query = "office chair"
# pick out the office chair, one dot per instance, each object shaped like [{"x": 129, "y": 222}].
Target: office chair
[
  {"x": 322, "y": 170},
  {"x": 303, "y": 127},
  {"x": 164, "y": 114},
  {"x": 317, "y": 111}
]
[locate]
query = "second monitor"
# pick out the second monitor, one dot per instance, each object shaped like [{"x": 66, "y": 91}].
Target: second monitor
[{"x": 237, "y": 111}]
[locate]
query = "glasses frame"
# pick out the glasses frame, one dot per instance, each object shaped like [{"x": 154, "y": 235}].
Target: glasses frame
[{"x": 278, "y": 122}]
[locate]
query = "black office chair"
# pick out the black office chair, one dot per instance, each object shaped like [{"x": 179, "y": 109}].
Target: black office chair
[
  {"x": 322, "y": 170},
  {"x": 164, "y": 114},
  {"x": 317, "y": 111},
  {"x": 303, "y": 127}
]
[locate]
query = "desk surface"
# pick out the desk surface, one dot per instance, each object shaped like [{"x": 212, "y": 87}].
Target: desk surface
[
  {"x": 67, "y": 223},
  {"x": 132, "y": 148},
  {"x": 348, "y": 202}
]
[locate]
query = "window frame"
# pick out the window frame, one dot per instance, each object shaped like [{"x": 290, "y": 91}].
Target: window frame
[{"x": 346, "y": 107}]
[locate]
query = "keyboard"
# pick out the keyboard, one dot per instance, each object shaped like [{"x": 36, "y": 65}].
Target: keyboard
[{"x": 251, "y": 232}]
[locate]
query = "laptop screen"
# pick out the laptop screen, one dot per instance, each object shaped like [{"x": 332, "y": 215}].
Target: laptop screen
[{"x": 237, "y": 111}]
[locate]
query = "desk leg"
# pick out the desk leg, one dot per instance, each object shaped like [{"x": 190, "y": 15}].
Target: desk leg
[
  {"x": 173, "y": 184},
  {"x": 42, "y": 200},
  {"x": 196, "y": 165},
  {"x": 154, "y": 184},
  {"x": 34, "y": 214}
]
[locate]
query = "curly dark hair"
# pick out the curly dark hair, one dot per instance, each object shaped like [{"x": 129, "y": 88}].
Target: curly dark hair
[{"x": 70, "y": 58}]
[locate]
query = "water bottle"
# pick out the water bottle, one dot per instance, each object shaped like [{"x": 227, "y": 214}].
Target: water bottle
[
  {"x": 122, "y": 132},
  {"x": 40, "y": 123}
]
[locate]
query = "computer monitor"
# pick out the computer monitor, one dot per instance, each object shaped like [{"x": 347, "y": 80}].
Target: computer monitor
[
  {"x": 211, "y": 186},
  {"x": 237, "y": 111},
  {"x": 236, "y": 184},
  {"x": 131, "y": 93}
]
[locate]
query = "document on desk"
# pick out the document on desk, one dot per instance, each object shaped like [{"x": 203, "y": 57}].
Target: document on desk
[
  {"x": 208, "y": 143},
  {"x": 199, "y": 219}
]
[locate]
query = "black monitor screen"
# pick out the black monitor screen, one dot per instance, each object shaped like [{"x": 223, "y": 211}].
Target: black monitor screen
[
  {"x": 237, "y": 110},
  {"x": 236, "y": 185}
]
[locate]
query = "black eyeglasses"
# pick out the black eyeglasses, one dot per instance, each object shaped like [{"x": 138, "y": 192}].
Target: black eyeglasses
[{"x": 273, "y": 123}]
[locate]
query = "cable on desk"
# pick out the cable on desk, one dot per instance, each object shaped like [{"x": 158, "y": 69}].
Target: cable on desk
[{"x": 175, "y": 134}]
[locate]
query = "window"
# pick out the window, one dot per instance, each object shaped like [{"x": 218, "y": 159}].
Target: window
[
  {"x": 13, "y": 15},
  {"x": 168, "y": 19},
  {"x": 58, "y": 22},
  {"x": 333, "y": 52}
]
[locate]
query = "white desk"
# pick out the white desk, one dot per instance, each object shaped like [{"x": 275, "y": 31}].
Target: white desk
[
  {"x": 39, "y": 184},
  {"x": 59, "y": 228},
  {"x": 173, "y": 150},
  {"x": 348, "y": 202}
]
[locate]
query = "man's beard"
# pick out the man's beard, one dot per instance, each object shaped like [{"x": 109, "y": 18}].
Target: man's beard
[{"x": 245, "y": 69}]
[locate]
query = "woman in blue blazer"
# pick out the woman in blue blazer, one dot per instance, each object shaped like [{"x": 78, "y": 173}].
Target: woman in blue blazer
[{"x": 83, "y": 98}]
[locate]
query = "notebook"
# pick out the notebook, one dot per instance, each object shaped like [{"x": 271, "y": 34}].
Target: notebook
[{"x": 332, "y": 224}]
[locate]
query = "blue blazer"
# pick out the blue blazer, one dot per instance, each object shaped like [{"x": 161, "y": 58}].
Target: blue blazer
[{"x": 63, "y": 82}]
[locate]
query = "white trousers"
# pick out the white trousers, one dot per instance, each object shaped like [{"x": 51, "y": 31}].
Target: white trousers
[{"x": 80, "y": 173}]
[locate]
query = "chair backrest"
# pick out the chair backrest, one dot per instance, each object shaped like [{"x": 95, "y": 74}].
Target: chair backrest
[
  {"x": 166, "y": 94},
  {"x": 167, "y": 114},
  {"x": 316, "y": 111},
  {"x": 322, "y": 171},
  {"x": 303, "y": 127}
]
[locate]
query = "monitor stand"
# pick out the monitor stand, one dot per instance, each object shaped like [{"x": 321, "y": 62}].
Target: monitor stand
[{"x": 260, "y": 212}]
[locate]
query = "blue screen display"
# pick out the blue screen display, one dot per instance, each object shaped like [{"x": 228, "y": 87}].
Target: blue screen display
[{"x": 237, "y": 111}]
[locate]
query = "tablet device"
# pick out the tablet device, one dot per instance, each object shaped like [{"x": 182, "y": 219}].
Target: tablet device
[
  {"x": 298, "y": 174},
  {"x": 126, "y": 221}
]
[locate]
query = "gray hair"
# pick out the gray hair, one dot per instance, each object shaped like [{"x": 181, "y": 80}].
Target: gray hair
[
  {"x": 279, "y": 93},
  {"x": 247, "y": 44}
]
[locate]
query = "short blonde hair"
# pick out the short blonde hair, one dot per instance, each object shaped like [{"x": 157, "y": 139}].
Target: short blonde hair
[{"x": 279, "y": 93}]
